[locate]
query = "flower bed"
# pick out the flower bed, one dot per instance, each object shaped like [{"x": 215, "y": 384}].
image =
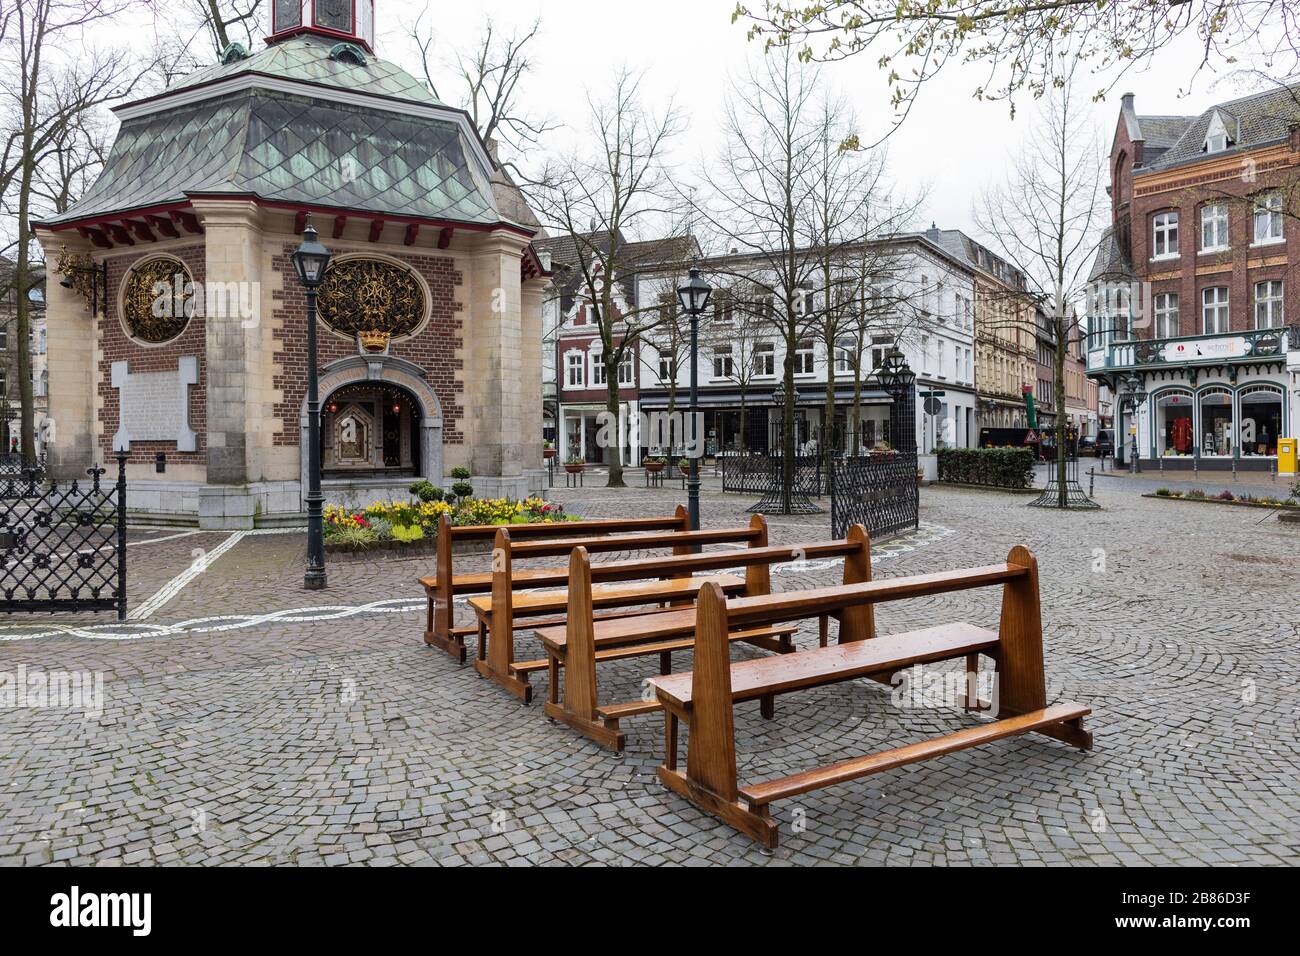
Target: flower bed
[
  {"x": 402, "y": 525},
  {"x": 1228, "y": 498},
  {"x": 1011, "y": 468}
]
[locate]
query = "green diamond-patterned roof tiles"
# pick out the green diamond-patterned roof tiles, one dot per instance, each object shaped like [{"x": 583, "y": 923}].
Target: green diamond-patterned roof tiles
[
  {"x": 306, "y": 58},
  {"x": 294, "y": 148}
]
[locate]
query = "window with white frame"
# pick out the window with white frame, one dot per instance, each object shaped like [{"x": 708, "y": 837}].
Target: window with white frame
[
  {"x": 1164, "y": 239},
  {"x": 940, "y": 357},
  {"x": 1214, "y": 310},
  {"x": 1166, "y": 315},
  {"x": 804, "y": 356},
  {"x": 925, "y": 354},
  {"x": 4, "y": 383},
  {"x": 1214, "y": 227},
  {"x": 597, "y": 376},
  {"x": 723, "y": 363},
  {"x": 764, "y": 358},
  {"x": 627, "y": 369},
  {"x": 1268, "y": 304},
  {"x": 4, "y": 339},
  {"x": 1268, "y": 218},
  {"x": 666, "y": 371},
  {"x": 574, "y": 366},
  {"x": 880, "y": 347},
  {"x": 844, "y": 349},
  {"x": 723, "y": 306}
]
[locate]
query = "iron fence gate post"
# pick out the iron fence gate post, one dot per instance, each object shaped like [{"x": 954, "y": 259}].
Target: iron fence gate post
[{"x": 121, "y": 535}]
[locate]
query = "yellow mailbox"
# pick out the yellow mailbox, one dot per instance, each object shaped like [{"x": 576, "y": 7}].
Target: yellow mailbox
[{"x": 1286, "y": 456}]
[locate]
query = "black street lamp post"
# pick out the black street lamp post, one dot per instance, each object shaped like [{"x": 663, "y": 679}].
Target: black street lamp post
[
  {"x": 1137, "y": 395},
  {"x": 694, "y": 296},
  {"x": 310, "y": 260}
]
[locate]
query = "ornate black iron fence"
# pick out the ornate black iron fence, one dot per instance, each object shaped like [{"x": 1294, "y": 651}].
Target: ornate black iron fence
[
  {"x": 13, "y": 466},
  {"x": 878, "y": 491},
  {"x": 761, "y": 474},
  {"x": 63, "y": 544}
]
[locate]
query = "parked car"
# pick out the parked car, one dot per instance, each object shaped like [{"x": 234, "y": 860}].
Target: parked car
[{"x": 1100, "y": 444}]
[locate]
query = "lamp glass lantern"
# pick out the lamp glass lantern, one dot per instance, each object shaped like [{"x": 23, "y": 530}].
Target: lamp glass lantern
[
  {"x": 694, "y": 294},
  {"x": 310, "y": 258}
]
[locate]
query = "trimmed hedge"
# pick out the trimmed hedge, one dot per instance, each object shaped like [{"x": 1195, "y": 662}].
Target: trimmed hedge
[{"x": 995, "y": 467}]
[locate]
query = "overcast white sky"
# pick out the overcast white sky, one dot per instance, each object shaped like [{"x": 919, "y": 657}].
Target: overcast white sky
[{"x": 688, "y": 48}]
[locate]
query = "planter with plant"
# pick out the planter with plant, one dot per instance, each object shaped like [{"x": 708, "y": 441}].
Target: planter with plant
[
  {"x": 655, "y": 464},
  {"x": 548, "y": 449},
  {"x": 575, "y": 464},
  {"x": 1289, "y": 504}
]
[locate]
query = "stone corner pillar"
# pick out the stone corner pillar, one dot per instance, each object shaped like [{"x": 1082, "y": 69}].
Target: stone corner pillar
[
  {"x": 233, "y": 246},
  {"x": 532, "y": 327},
  {"x": 496, "y": 379},
  {"x": 71, "y": 349}
]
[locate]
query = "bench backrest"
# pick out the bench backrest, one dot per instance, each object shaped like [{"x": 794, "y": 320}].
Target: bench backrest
[
  {"x": 711, "y": 756},
  {"x": 505, "y": 552},
  {"x": 580, "y": 625},
  {"x": 678, "y": 522}
]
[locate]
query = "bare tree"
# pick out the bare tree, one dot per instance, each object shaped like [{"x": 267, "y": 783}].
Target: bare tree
[
  {"x": 601, "y": 199},
  {"x": 787, "y": 200},
  {"x": 853, "y": 207},
  {"x": 1023, "y": 47},
  {"x": 489, "y": 81},
  {"x": 740, "y": 321},
  {"x": 44, "y": 110},
  {"x": 1046, "y": 219}
]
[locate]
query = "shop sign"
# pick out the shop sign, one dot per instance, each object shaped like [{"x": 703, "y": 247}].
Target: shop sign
[{"x": 1190, "y": 350}]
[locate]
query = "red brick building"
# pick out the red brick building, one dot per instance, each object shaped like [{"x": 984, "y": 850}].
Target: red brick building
[{"x": 1195, "y": 296}]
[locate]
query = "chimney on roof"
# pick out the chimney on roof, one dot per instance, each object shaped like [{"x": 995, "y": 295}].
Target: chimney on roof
[
  {"x": 933, "y": 232},
  {"x": 1126, "y": 102}
]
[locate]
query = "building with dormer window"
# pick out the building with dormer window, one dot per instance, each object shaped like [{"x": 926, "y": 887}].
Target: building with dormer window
[{"x": 1194, "y": 302}]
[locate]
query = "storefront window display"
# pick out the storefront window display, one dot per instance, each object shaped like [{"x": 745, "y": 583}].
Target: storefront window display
[
  {"x": 1216, "y": 422},
  {"x": 1175, "y": 429},
  {"x": 1261, "y": 420}
]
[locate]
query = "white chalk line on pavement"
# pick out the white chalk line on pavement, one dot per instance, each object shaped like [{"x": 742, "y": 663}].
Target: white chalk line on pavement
[
  {"x": 202, "y": 561},
  {"x": 136, "y": 629}
]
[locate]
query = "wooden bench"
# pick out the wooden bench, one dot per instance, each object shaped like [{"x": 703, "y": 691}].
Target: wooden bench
[
  {"x": 584, "y": 640},
  {"x": 508, "y": 608},
  {"x": 444, "y": 585},
  {"x": 705, "y": 697}
]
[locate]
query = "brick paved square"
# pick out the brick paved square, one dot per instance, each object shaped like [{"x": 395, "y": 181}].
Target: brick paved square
[{"x": 248, "y": 721}]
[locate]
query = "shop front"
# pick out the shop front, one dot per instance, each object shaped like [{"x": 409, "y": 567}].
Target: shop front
[{"x": 1214, "y": 422}]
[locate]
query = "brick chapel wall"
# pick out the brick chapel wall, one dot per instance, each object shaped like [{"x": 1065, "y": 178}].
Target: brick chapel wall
[
  {"x": 116, "y": 346},
  {"x": 438, "y": 347}
]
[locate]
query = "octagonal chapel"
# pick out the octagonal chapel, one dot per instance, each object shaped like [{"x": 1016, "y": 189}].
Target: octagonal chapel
[{"x": 183, "y": 337}]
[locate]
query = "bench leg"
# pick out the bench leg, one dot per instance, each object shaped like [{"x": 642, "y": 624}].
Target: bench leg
[
  {"x": 757, "y": 824},
  {"x": 453, "y": 644},
  {"x": 603, "y": 732},
  {"x": 553, "y": 675},
  {"x": 972, "y": 682},
  {"x": 665, "y": 662},
  {"x": 767, "y": 706},
  {"x": 1070, "y": 732},
  {"x": 823, "y": 630},
  {"x": 670, "y": 739}
]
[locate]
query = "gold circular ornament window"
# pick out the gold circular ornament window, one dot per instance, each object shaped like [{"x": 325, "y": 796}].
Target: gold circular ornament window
[
  {"x": 360, "y": 296},
  {"x": 158, "y": 300}
]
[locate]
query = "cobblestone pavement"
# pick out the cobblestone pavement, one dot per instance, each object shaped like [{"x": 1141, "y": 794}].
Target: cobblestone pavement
[{"x": 343, "y": 739}]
